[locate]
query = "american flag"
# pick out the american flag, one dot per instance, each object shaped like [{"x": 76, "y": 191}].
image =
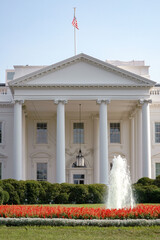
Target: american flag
[{"x": 74, "y": 23}]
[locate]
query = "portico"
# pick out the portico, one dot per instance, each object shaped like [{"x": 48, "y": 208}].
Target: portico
[{"x": 110, "y": 100}]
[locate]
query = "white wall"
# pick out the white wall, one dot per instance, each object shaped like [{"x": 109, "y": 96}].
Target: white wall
[
  {"x": 155, "y": 147},
  {"x": 6, "y": 148}
]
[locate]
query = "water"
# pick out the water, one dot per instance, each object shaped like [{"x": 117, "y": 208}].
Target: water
[{"x": 120, "y": 193}]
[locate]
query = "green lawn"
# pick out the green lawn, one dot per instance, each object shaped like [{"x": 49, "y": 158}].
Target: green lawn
[
  {"x": 90, "y": 205},
  {"x": 79, "y": 205},
  {"x": 79, "y": 233}
]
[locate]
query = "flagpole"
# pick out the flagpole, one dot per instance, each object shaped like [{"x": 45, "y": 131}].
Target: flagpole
[{"x": 74, "y": 33}]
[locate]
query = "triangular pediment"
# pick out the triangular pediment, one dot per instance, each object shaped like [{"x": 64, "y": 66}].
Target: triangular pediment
[{"x": 81, "y": 70}]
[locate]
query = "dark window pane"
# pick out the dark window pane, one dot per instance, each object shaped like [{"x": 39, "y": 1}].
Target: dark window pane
[
  {"x": 78, "y": 132},
  {"x": 41, "y": 133},
  {"x": 78, "y": 176},
  {"x": 157, "y": 132},
  {"x": 157, "y": 169},
  {"x": 81, "y": 181},
  {"x": 115, "y": 133},
  {"x": 41, "y": 171}
]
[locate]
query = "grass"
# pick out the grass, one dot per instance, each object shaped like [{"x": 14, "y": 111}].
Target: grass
[
  {"x": 100, "y": 205},
  {"x": 79, "y": 233}
]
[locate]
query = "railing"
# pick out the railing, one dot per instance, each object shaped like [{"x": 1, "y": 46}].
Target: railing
[
  {"x": 155, "y": 91},
  {"x": 4, "y": 91}
]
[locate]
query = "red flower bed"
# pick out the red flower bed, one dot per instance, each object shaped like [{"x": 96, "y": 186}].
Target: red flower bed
[{"x": 139, "y": 212}]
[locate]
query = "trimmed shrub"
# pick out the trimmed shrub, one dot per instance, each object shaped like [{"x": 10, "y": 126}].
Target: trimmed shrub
[
  {"x": 64, "y": 195},
  {"x": 51, "y": 191},
  {"x": 55, "y": 190},
  {"x": 145, "y": 181},
  {"x": 157, "y": 181},
  {"x": 13, "y": 195},
  {"x": 34, "y": 192},
  {"x": 45, "y": 198},
  {"x": 62, "y": 198},
  {"x": 146, "y": 194},
  {"x": 79, "y": 194},
  {"x": 20, "y": 187},
  {"x": 96, "y": 193},
  {"x": 5, "y": 197},
  {"x": 1, "y": 195},
  {"x": 152, "y": 194}
]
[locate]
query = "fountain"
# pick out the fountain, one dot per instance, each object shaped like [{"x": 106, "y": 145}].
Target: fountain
[{"x": 120, "y": 192}]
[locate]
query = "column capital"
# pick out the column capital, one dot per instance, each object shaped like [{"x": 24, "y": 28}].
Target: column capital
[
  {"x": 142, "y": 101},
  {"x": 131, "y": 117},
  {"x": 106, "y": 101},
  {"x": 64, "y": 101},
  {"x": 18, "y": 101}
]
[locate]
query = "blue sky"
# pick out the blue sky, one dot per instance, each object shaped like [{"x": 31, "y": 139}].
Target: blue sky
[{"x": 39, "y": 32}]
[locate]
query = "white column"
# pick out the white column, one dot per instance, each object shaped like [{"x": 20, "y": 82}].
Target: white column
[
  {"x": 103, "y": 141},
  {"x": 60, "y": 147},
  {"x": 96, "y": 150},
  {"x": 17, "y": 157},
  {"x": 136, "y": 146},
  {"x": 139, "y": 143},
  {"x": 132, "y": 149},
  {"x": 24, "y": 145},
  {"x": 146, "y": 142}
]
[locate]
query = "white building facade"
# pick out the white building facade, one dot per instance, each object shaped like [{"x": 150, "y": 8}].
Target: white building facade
[{"x": 42, "y": 128}]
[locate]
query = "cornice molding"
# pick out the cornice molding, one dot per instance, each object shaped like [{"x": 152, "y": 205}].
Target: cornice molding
[
  {"x": 6, "y": 104},
  {"x": 20, "y": 82}
]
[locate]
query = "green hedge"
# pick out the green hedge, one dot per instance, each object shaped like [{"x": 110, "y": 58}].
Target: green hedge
[
  {"x": 35, "y": 192},
  {"x": 147, "y": 190}
]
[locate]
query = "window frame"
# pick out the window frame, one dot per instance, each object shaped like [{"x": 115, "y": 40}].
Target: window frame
[
  {"x": 115, "y": 121},
  {"x": 156, "y": 169},
  {"x": 35, "y": 132},
  {"x": 40, "y": 162},
  {"x": 155, "y": 132},
  {"x": 86, "y": 132},
  {"x": 2, "y": 143},
  {"x": 79, "y": 179},
  {"x": 78, "y": 137}
]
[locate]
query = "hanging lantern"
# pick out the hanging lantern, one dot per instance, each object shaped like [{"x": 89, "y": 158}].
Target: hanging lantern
[{"x": 80, "y": 157}]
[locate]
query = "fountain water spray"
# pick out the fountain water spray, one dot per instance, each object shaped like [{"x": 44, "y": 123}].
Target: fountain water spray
[{"x": 120, "y": 193}]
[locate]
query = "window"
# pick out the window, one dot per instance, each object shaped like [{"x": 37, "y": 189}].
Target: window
[
  {"x": 10, "y": 75},
  {"x": 42, "y": 171},
  {"x": 157, "y": 169},
  {"x": 41, "y": 136},
  {"x": 157, "y": 132},
  {"x": 78, "y": 178},
  {"x": 115, "y": 133},
  {"x": 0, "y": 132},
  {"x": 0, "y": 170},
  {"x": 78, "y": 132}
]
